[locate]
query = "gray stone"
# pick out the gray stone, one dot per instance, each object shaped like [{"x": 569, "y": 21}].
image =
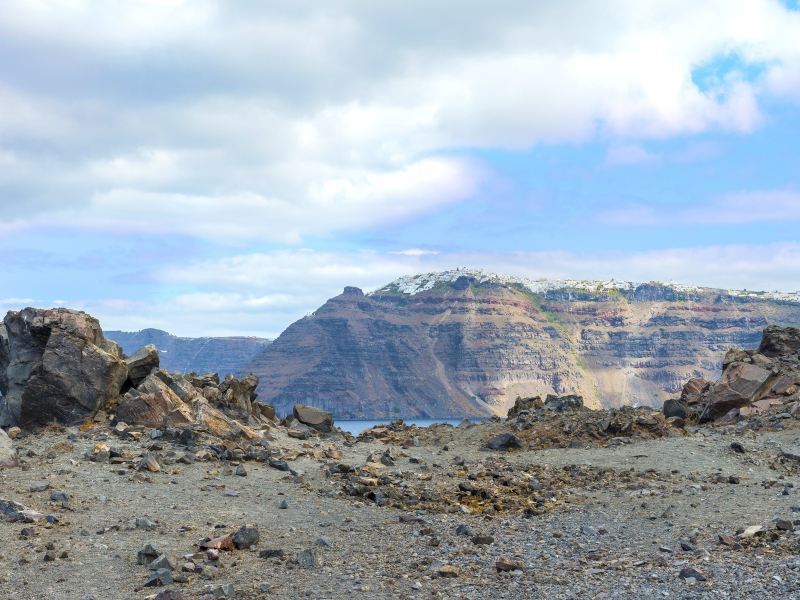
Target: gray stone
[
  {"x": 504, "y": 441},
  {"x": 307, "y": 559},
  {"x": 245, "y": 537},
  {"x": 159, "y": 578},
  {"x": 313, "y": 417},
  {"x": 142, "y": 363}
]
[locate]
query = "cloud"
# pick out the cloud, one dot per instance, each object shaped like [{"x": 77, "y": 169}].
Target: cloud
[
  {"x": 350, "y": 200},
  {"x": 353, "y": 115},
  {"x": 733, "y": 209}
]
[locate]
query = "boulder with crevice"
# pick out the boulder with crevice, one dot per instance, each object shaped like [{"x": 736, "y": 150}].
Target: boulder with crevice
[{"x": 58, "y": 367}]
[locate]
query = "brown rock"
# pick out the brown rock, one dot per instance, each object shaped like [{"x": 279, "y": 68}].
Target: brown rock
[
  {"x": 506, "y": 563},
  {"x": 740, "y": 384},
  {"x": 692, "y": 392},
  {"x": 142, "y": 363}
]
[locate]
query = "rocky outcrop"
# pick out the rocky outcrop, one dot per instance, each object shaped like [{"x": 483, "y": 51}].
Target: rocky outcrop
[
  {"x": 780, "y": 341},
  {"x": 223, "y": 355},
  {"x": 751, "y": 382},
  {"x": 463, "y": 342},
  {"x": 200, "y": 403},
  {"x": 58, "y": 367}
]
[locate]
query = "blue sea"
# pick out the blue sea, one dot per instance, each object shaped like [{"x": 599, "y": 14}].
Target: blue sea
[{"x": 357, "y": 426}]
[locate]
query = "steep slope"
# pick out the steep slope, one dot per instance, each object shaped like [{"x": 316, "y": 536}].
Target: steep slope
[
  {"x": 466, "y": 342},
  {"x": 223, "y": 355}
]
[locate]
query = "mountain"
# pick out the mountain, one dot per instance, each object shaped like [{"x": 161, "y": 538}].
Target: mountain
[
  {"x": 223, "y": 355},
  {"x": 466, "y": 342}
]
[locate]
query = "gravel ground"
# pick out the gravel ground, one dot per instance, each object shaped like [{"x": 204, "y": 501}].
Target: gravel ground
[{"x": 612, "y": 522}]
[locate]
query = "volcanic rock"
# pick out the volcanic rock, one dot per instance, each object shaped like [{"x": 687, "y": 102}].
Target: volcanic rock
[
  {"x": 780, "y": 341},
  {"x": 142, "y": 363},
  {"x": 57, "y": 367},
  {"x": 741, "y": 383},
  {"x": 525, "y": 405},
  {"x": 504, "y": 441},
  {"x": 692, "y": 392},
  {"x": 313, "y": 417},
  {"x": 674, "y": 408}
]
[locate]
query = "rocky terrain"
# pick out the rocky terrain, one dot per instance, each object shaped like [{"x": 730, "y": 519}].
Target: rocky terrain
[
  {"x": 223, "y": 355},
  {"x": 468, "y": 343},
  {"x": 187, "y": 487}
]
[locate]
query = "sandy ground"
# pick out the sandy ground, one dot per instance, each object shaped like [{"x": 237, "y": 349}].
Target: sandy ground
[{"x": 611, "y": 525}]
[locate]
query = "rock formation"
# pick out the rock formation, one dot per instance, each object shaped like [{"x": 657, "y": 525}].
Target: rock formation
[
  {"x": 464, "y": 342},
  {"x": 223, "y": 355},
  {"x": 752, "y": 381},
  {"x": 7, "y": 454},
  {"x": 57, "y": 366}
]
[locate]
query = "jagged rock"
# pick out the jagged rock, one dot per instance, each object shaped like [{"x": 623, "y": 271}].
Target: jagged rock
[
  {"x": 58, "y": 367},
  {"x": 692, "y": 392},
  {"x": 779, "y": 341},
  {"x": 313, "y": 417},
  {"x": 674, "y": 408},
  {"x": 740, "y": 384},
  {"x": 8, "y": 457},
  {"x": 524, "y": 405},
  {"x": 142, "y": 363},
  {"x": 170, "y": 399},
  {"x": 563, "y": 403}
]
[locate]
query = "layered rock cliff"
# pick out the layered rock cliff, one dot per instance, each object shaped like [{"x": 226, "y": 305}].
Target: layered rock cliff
[
  {"x": 466, "y": 342},
  {"x": 223, "y": 355}
]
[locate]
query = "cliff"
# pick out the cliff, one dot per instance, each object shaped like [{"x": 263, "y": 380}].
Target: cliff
[
  {"x": 467, "y": 342},
  {"x": 223, "y": 355}
]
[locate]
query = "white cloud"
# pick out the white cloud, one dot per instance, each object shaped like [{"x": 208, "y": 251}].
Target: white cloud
[
  {"x": 320, "y": 117},
  {"x": 732, "y": 209},
  {"x": 351, "y": 200}
]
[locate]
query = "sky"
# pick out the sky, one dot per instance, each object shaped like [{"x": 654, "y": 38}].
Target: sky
[{"x": 222, "y": 168}]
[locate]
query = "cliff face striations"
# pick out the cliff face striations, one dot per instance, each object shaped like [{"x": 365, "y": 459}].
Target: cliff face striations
[
  {"x": 466, "y": 342},
  {"x": 223, "y": 355}
]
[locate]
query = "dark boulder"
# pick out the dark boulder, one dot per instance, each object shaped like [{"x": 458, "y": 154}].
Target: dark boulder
[
  {"x": 674, "y": 408},
  {"x": 313, "y": 417},
  {"x": 780, "y": 341},
  {"x": 563, "y": 403},
  {"x": 58, "y": 367},
  {"x": 504, "y": 441}
]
